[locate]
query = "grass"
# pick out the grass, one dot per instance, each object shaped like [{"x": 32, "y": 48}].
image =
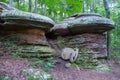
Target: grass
[
  {"x": 6, "y": 78},
  {"x": 45, "y": 63},
  {"x": 115, "y": 49},
  {"x": 10, "y": 44}
]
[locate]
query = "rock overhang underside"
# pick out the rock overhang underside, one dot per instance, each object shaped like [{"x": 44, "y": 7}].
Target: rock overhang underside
[
  {"x": 83, "y": 23},
  {"x": 26, "y": 19}
]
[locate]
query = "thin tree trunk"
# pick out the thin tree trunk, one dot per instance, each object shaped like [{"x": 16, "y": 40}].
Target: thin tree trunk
[
  {"x": 106, "y": 6},
  {"x": 18, "y": 3},
  {"x": 42, "y": 6},
  {"x": 83, "y": 10},
  {"x": 10, "y": 2},
  {"x": 93, "y": 6},
  {"x": 30, "y": 6},
  {"x": 55, "y": 18},
  {"x": 36, "y": 8},
  {"x": 45, "y": 10}
]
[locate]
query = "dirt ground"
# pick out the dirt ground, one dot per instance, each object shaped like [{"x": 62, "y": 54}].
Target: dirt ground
[
  {"x": 62, "y": 73},
  {"x": 13, "y": 68}
]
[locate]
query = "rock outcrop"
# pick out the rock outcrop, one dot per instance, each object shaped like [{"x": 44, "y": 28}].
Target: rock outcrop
[
  {"x": 83, "y": 23},
  {"x": 18, "y": 18},
  {"x": 28, "y": 29},
  {"x": 93, "y": 44},
  {"x": 84, "y": 31}
]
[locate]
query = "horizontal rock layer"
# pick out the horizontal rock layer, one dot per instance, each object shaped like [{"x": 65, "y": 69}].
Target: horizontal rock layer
[
  {"x": 26, "y": 19},
  {"x": 83, "y": 23},
  {"x": 94, "y": 44}
]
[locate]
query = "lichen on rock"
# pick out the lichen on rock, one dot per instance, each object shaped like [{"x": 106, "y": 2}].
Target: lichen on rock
[{"x": 37, "y": 74}]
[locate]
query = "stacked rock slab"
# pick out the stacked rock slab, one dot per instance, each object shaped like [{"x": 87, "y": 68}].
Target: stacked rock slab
[
  {"x": 85, "y": 31},
  {"x": 29, "y": 25},
  {"x": 83, "y": 23},
  {"x": 28, "y": 28}
]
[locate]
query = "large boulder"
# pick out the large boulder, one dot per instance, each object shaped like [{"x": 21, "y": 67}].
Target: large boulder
[
  {"x": 83, "y": 23},
  {"x": 18, "y": 18},
  {"x": 92, "y": 44},
  {"x": 30, "y": 28}
]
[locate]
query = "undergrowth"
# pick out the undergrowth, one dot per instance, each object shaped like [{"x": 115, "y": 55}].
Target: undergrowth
[
  {"x": 6, "y": 78},
  {"x": 115, "y": 49},
  {"x": 44, "y": 63}
]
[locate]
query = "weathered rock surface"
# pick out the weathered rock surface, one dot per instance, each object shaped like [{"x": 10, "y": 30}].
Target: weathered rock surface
[
  {"x": 32, "y": 36},
  {"x": 83, "y": 23},
  {"x": 37, "y": 51},
  {"x": 94, "y": 44},
  {"x": 37, "y": 74},
  {"x": 10, "y": 44},
  {"x": 30, "y": 28},
  {"x": 26, "y": 19}
]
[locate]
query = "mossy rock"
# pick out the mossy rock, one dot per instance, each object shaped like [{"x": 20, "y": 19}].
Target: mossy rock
[
  {"x": 37, "y": 74},
  {"x": 10, "y": 44},
  {"x": 71, "y": 42},
  {"x": 37, "y": 51}
]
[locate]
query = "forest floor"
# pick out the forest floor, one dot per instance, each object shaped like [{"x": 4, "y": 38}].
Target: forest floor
[
  {"x": 13, "y": 68},
  {"x": 75, "y": 73}
]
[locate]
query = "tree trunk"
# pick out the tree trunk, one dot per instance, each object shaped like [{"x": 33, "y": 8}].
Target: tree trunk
[
  {"x": 83, "y": 10},
  {"x": 10, "y": 2},
  {"x": 106, "y": 6},
  {"x": 55, "y": 18},
  {"x": 30, "y": 6},
  {"x": 92, "y": 6},
  {"x": 45, "y": 10},
  {"x": 36, "y": 8},
  {"x": 18, "y": 3}
]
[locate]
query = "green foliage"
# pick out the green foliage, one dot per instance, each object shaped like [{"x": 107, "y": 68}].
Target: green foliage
[
  {"x": 46, "y": 63},
  {"x": 6, "y": 78},
  {"x": 10, "y": 45},
  {"x": 31, "y": 78},
  {"x": 86, "y": 61}
]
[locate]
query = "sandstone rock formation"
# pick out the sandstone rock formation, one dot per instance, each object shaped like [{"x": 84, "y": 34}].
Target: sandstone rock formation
[
  {"x": 93, "y": 44},
  {"x": 83, "y": 23},
  {"x": 30, "y": 27},
  {"x": 85, "y": 31},
  {"x": 26, "y": 19}
]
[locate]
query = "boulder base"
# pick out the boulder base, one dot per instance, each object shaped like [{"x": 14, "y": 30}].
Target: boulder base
[
  {"x": 28, "y": 36},
  {"x": 32, "y": 36},
  {"x": 93, "y": 44}
]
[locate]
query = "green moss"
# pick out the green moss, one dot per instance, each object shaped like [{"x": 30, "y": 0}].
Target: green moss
[
  {"x": 6, "y": 78},
  {"x": 45, "y": 63},
  {"x": 11, "y": 45},
  {"x": 86, "y": 61},
  {"x": 37, "y": 74}
]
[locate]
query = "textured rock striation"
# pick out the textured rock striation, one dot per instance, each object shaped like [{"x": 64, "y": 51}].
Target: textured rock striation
[
  {"x": 83, "y": 23},
  {"x": 85, "y": 31},
  {"x": 28, "y": 29}
]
